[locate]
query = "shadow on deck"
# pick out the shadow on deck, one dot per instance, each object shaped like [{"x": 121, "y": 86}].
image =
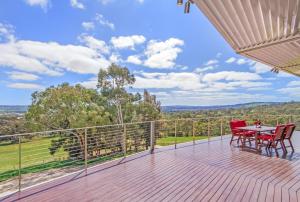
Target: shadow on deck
[{"x": 205, "y": 171}]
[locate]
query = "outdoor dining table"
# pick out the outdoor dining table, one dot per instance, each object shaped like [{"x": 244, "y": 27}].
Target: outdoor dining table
[{"x": 258, "y": 131}]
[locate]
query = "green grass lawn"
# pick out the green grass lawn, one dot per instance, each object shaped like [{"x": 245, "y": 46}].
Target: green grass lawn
[
  {"x": 33, "y": 152},
  {"x": 171, "y": 140},
  {"x": 36, "y": 157}
]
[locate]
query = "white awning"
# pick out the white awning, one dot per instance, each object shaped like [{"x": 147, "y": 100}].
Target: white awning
[{"x": 267, "y": 31}]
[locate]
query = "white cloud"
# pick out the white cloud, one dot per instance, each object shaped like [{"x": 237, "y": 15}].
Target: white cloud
[
  {"x": 182, "y": 80},
  {"x": 204, "y": 98},
  {"x": 285, "y": 74},
  {"x": 91, "y": 83},
  {"x": 22, "y": 76},
  {"x": 183, "y": 67},
  {"x": 124, "y": 42},
  {"x": 77, "y": 4},
  {"x": 12, "y": 57},
  {"x": 134, "y": 59},
  {"x": 104, "y": 2},
  {"x": 260, "y": 68},
  {"x": 219, "y": 55},
  {"x": 51, "y": 58},
  {"x": 88, "y": 26},
  {"x": 291, "y": 91},
  {"x": 293, "y": 83},
  {"x": 6, "y": 32},
  {"x": 98, "y": 19},
  {"x": 209, "y": 65},
  {"x": 29, "y": 86},
  {"x": 189, "y": 81},
  {"x": 231, "y": 60},
  {"x": 101, "y": 20},
  {"x": 192, "y": 88},
  {"x": 262, "y": 88},
  {"x": 95, "y": 44},
  {"x": 211, "y": 62},
  {"x": 42, "y": 3},
  {"x": 231, "y": 76},
  {"x": 241, "y": 61},
  {"x": 115, "y": 58},
  {"x": 204, "y": 69},
  {"x": 249, "y": 85},
  {"x": 162, "y": 54}
]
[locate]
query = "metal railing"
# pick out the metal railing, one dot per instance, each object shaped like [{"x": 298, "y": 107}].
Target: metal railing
[{"x": 27, "y": 159}]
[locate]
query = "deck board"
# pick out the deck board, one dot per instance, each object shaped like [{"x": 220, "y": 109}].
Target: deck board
[{"x": 211, "y": 171}]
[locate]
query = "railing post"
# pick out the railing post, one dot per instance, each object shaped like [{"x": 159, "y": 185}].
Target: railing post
[
  {"x": 152, "y": 136},
  {"x": 175, "y": 134},
  {"x": 208, "y": 129},
  {"x": 124, "y": 139},
  {"x": 20, "y": 162},
  {"x": 85, "y": 151},
  {"x": 221, "y": 128},
  {"x": 193, "y": 132}
]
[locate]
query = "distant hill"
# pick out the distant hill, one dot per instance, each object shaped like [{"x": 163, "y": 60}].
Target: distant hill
[
  {"x": 178, "y": 108},
  {"x": 7, "y": 109}
]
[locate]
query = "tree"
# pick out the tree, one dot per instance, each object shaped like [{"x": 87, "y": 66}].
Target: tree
[
  {"x": 65, "y": 107},
  {"x": 129, "y": 107},
  {"x": 112, "y": 83},
  {"x": 11, "y": 124},
  {"x": 68, "y": 107},
  {"x": 148, "y": 109}
]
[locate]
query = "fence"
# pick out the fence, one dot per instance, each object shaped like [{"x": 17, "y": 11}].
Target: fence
[{"x": 27, "y": 159}]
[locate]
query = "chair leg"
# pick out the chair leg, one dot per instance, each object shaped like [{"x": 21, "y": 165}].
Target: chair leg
[
  {"x": 274, "y": 145},
  {"x": 269, "y": 145},
  {"x": 283, "y": 146},
  {"x": 231, "y": 140},
  {"x": 267, "y": 148},
  {"x": 291, "y": 145},
  {"x": 243, "y": 141}
]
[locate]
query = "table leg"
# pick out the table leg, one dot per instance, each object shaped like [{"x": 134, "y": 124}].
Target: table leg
[{"x": 256, "y": 141}]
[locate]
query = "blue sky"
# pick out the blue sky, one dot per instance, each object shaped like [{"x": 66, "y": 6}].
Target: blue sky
[{"x": 180, "y": 58}]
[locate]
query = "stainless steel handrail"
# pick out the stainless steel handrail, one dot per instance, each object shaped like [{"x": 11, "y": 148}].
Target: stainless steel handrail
[{"x": 117, "y": 140}]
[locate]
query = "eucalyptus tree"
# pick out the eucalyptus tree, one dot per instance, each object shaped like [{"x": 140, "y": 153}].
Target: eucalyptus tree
[
  {"x": 67, "y": 107},
  {"x": 112, "y": 83}
]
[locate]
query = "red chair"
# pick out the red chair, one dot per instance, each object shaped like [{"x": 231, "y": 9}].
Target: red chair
[
  {"x": 234, "y": 124},
  {"x": 290, "y": 128},
  {"x": 272, "y": 139}
]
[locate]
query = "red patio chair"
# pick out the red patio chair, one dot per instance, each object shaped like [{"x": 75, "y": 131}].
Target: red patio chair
[
  {"x": 272, "y": 139},
  {"x": 290, "y": 128},
  {"x": 234, "y": 124}
]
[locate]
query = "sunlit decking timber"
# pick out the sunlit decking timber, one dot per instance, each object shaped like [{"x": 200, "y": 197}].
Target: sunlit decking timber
[{"x": 206, "y": 171}]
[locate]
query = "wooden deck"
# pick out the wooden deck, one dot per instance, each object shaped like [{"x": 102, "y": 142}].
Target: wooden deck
[{"x": 211, "y": 171}]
